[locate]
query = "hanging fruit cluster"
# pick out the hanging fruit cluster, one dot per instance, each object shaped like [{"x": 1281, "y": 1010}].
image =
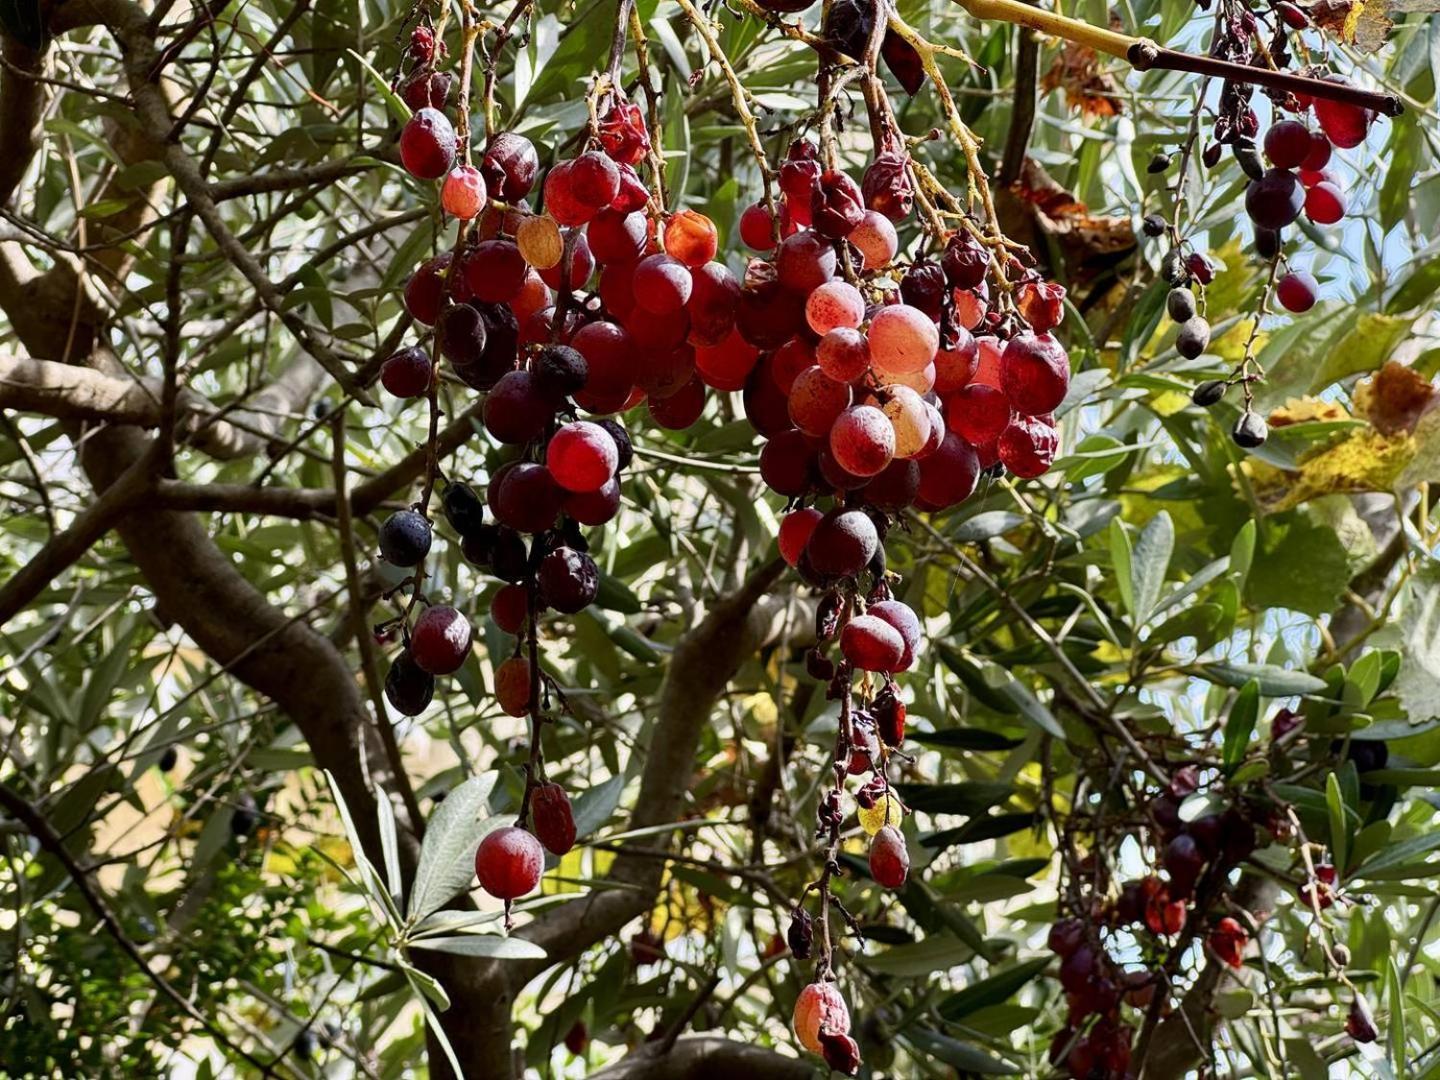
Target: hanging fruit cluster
[{"x": 890, "y": 345}]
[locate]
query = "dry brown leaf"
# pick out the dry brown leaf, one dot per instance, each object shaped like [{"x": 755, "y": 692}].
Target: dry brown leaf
[
  {"x": 1394, "y": 398},
  {"x": 1089, "y": 88}
]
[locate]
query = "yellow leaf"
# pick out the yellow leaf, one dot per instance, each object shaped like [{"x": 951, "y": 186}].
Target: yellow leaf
[
  {"x": 1365, "y": 461},
  {"x": 1169, "y": 402}
]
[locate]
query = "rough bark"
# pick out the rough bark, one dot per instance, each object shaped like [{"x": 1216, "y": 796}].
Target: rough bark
[{"x": 708, "y": 1058}]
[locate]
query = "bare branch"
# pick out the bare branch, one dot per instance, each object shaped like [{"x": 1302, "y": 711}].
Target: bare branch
[{"x": 707, "y": 1057}]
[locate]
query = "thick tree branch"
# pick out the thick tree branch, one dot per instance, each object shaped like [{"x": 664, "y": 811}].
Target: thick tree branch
[{"x": 707, "y": 1058}]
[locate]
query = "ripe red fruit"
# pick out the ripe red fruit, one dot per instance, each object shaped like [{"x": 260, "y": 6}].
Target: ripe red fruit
[
  {"x": 876, "y": 241},
  {"x": 1228, "y": 940},
  {"x": 816, "y": 402},
  {"x": 616, "y": 237},
  {"x": 553, "y": 819},
  {"x": 1034, "y": 373},
  {"x": 516, "y": 411},
  {"x": 594, "y": 180},
  {"x": 726, "y": 365},
  {"x": 757, "y": 230},
  {"x": 680, "y": 409},
  {"x": 902, "y": 339},
  {"x": 440, "y": 640},
  {"x": 494, "y": 270},
  {"x": 886, "y": 186},
  {"x": 1318, "y": 155},
  {"x": 662, "y": 284},
  {"x": 1183, "y": 862},
  {"x": 714, "y": 294},
  {"x": 1027, "y": 446},
  {"x": 594, "y": 507},
  {"x": 965, "y": 261},
  {"x": 582, "y": 456},
  {"x": 512, "y": 686},
  {"x": 430, "y": 88},
  {"x": 834, "y": 304},
  {"x": 804, "y": 263},
  {"x": 842, "y": 543},
  {"x": 1275, "y": 200},
  {"x": 1066, "y": 936},
  {"x": 862, "y": 440},
  {"x": 799, "y": 174},
  {"x": 509, "y": 863},
  {"x": 510, "y": 166},
  {"x": 425, "y": 291},
  {"x": 978, "y": 413},
  {"x": 427, "y": 144},
  {"x": 841, "y": 1053},
  {"x": 1344, "y": 125},
  {"x": 1325, "y": 203},
  {"x": 795, "y": 531},
  {"x": 463, "y": 193},
  {"x": 524, "y": 496},
  {"x": 889, "y": 713},
  {"x": 1360, "y": 1023},
  {"x": 872, "y": 644},
  {"x": 903, "y": 618},
  {"x": 692, "y": 238},
  {"x": 948, "y": 476},
  {"x": 1297, "y": 291},
  {"x": 819, "y": 1010},
  {"x": 409, "y": 373},
  {"x": 787, "y": 463},
  {"x": 510, "y": 607},
  {"x": 1287, "y": 144}
]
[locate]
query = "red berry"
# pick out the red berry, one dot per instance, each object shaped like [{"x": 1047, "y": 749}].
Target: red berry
[
  {"x": 494, "y": 270},
  {"x": 1318, "y": 154},
  {"x": 1034, "y": 373},
  {"x": 1275, "y": 200},
  {"x": 560, "y": 200},
  {"x": 692, "y": 238},
  {"x": 1042, "y": 303},
  {"x": 1287, "y": 144},
  {"x": 662, "y": 284},
  {"x": 463, "y": 193},
  {"x": 582, "y": 456},
  {"x": 902, "y": 339},
  {"x": 615, "y": 237},
  {"x": 1228, "y": 940},
  {"x": 1344, "y": 125},
  {"x": 788, "y": 463},
  {"x": 872, "y": 644},
  {"x": 757, "y": 230},
  {"x": 1027, "y": 446},
  {"x": 795, "y": 531},
  {"x": 440, "y": 640},
  {"x": 594, "y": 180},
  {"x": 978, "y": 413},
  {"x": 1297, "y": 291},
  {"x": 594, "y": 507},
  {"x": 889, "y": 861},
  {"x": 427, "y": 144},
  {"x": 842, "y": 544},
  {"x": 714, "y": 295},
  {"x": 622, "y": 133},
  {"x": 862, "y": 440},
  {"x": 515, "y": 409},
  {"x": 577, "y": 1038},
  {"x": 509, "y": 863},
  {"x": 836, "y": 205},
  {"x": 409, "y": 373},
  {"x": 512, "y": 686},
  {"x": 425, "y": 291},
  {"x": 1324, "y": 203},
  {"x": 805, "y": 262},
  {"x": 903, "y": 618},
  {"x": 948, "y": 476},
  {"x": 553, "y": 818},
  {"x": 524, "y": 496},
  {"x": 510, "y": 166},
  {"x": 682, "y": 408},
  {"x": 510, "y": 607}
]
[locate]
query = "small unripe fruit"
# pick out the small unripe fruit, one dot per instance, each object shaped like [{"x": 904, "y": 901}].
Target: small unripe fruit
[
  {"x": 886, "y": 813},
  {"x": 509, "y": 863},
  {"x": 405, "y": 538},
  {"x": 440, "y": 641}
]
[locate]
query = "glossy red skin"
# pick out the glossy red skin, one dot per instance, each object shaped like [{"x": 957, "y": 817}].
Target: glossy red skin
[{"x": 509, "y": 863}]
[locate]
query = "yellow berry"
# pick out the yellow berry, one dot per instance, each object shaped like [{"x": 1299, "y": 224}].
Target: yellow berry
[{"x": 886, "y": 811}]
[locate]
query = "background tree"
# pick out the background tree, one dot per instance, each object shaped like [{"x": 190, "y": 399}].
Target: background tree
[{"x": 224, "y": 850}]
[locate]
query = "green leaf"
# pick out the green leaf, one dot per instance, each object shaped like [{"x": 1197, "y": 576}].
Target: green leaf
[
  {"x": 963, "y": 1056},
  {"x": 595, "y": 804},
  {"x": 494, "y": 946},
  {"x": 986, "y": 526},
  {"x": 1240, "y": 725},
  {"x": 614, "y": 595},
  {"x": 1272, "y": 681},
  {"x": 1339, "y": 826},
  {"x": 921, "y": 958},
  {"x": 1395, "y": 992},
  {"x": 1120, "y": 559},
  {"x": 447, "y": 857},
  {"x": 1242, "y": 552},
  {"x": 991, "y": 991},
  {"x": 1029, "y": 706},
  {"x": 1149, "y": 561},
  {"x": 1398, "y": 854},
  {"x": 389, "y": 843},
  {"x": 964, "y": 739},
  {"x": 977, "y": 829},
  {"x": 967, "y": 797}
]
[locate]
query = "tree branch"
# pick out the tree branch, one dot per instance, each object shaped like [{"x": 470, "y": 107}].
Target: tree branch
[{"x": 707, "y": 1057}]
